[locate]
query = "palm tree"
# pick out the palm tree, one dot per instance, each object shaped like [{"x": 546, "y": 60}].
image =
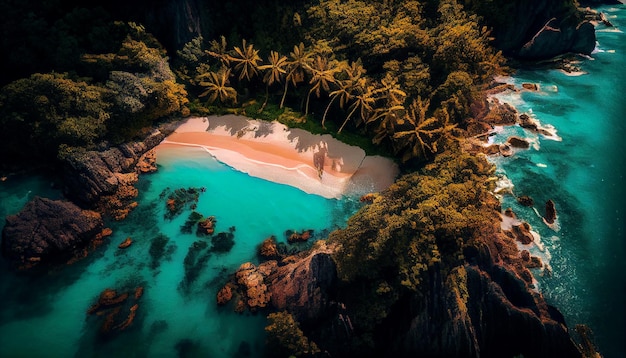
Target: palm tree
[
  {"x": 322, "y": 76},
  {"x": 363, "y": 101},
  {"x": 275, "y": 71},
  {"x": 424, "y": 133},
  {"x": 296, "y": 68},
  {"x": 394, "y": 98},
  {"x": 354, "y": 73},
  {"x": 219, "y": 51},
  {"x": 217, "y": 86},
  {"x": 391, "y": 91},
  {"x": 246, "y": 60}
]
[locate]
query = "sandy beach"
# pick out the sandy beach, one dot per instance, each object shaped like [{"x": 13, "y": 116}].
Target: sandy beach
[{"x": 316, "y": 164}]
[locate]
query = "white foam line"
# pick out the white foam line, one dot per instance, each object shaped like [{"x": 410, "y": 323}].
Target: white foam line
[{"x": 212, "y": 150}]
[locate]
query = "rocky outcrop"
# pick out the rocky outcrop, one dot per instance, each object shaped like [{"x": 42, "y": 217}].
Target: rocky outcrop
[
  {"x": 555, "y": 38},
  {"x": 496, "y": 317},
  {"x": 48, "y": 232},
  {"x": 484, "y": 308},
  {"x": 550, "y": 215},
  {"x": 305, "y": 287},
  {"x": 104, "y": 179},
  {"x": 537, "y": 29}
]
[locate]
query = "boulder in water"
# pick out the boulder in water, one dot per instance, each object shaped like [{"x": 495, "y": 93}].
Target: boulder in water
[
  {"x": 550, "y": 215},
  {"x": 49, "y": 232}
]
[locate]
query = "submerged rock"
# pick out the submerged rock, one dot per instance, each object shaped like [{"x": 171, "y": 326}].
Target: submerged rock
[
  {"x": 48, "y": 232},
  {"x": 118, "y": 309},
  {"x": 126, "y": 243}
]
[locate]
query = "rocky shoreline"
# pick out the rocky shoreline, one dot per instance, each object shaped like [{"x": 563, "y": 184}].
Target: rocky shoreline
[{"x": 487, "y": 306}]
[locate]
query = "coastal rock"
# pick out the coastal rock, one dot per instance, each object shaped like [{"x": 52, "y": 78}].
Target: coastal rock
[
  {"x": 525, "y": 121},
  {"x": 505, "y": 150},
  {"x": 556, "y": 38},
  {"x": 517, "y": 142},
  {"x": 147, "y": 162},
  {"x": 126, "y": 243},
  {"x": 522, "y": 233},
  {"x": 304, "y": 288},
  {"x": 550, "y": 215},
  {"x": 49, "y": 232},
  {"x": 530, "y": 86},
  {"x": 104, "y": 179},
  {"x": 268, "y": 250},
  {"x": 251, "y": 284},
  {"x": 538, "y": 29},
  {"x": 206, "y": 226},
  {"x": 526, "y": 200}
]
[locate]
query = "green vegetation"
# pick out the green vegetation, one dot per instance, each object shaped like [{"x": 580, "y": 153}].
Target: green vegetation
[
  {"x": 406, "y": 73},
  {"x": 124, "y": 92},
  {"x": 286, "y": 339},
  {"x": 420, "y": 225}
]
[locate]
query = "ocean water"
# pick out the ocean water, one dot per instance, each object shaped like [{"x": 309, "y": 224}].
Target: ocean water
[
  {"x": 46, "y": 317},
  {"x": 582, "y": 170}
]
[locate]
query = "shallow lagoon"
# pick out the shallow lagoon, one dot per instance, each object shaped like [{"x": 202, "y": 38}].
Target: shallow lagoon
[{"x": 47, "y": 316}]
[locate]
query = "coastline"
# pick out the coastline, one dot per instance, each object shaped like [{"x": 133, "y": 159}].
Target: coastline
[{"x": 316, "y": 164}]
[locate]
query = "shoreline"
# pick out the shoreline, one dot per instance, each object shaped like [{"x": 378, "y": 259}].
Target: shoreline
[{"x": 316, "y": 164}]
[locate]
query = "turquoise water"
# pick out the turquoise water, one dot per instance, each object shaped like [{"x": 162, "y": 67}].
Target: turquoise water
[
  {"x": 583, "y": 173},
  {"x": 46, "y": 317}
]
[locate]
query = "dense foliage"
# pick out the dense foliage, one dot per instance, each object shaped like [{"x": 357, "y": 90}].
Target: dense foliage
[
  {"x": 419, "y": 226},
  {"x": 286, "y": 339},
  {"x": 406, "y": 72},
  {"x": 126, "y": 91}
]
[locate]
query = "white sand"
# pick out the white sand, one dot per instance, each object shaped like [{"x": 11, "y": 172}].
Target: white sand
[{"x": 275, "y": 152}]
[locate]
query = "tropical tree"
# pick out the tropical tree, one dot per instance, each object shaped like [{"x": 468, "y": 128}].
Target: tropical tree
[
  {"x": 246, "y": 59},
  {"x": 274, "y": 72},
  {"x": 219, "y": 51},
  {"x": 217, "y": 84},
  {"x": 364, "y": 99},
  {"x": 322, "y": 76},
  {"x": 346, "y": 86},
  {"x": 421, "y": 138},
  {"x": 299, "y": 63}
]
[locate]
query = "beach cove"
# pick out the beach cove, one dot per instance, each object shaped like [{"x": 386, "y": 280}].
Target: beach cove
[
  {"x": 178, "y": 310},
  {"x": 316, "y": 164}
]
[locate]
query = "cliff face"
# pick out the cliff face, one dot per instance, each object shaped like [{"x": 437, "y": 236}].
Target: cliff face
[
  {"x": 484, "y": 310},
  {"x": 537, "y": 29}
]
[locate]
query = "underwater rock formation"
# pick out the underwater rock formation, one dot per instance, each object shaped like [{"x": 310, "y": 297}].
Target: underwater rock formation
[
  {"x": 48, "y": 232},
  {"x": 294, "y": 236},
  {"x": 118, "y": 309}
]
